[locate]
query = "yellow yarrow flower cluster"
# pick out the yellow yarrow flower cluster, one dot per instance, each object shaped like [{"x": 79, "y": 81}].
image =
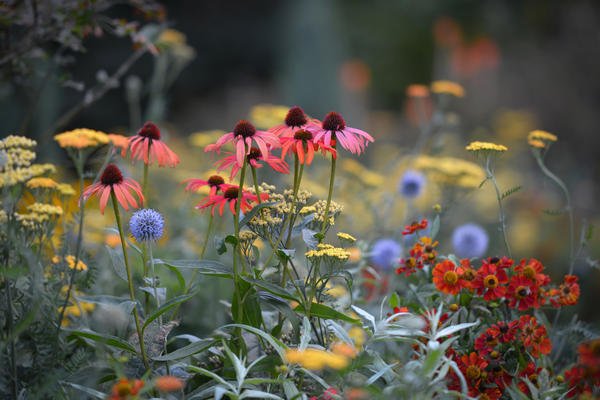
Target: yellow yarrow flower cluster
[
  {"x": 541, "y": 139},
  {"x": 65, "y": 189},
  {"x": 346, "y": 236},
  {"x": 81, "y": 138},
  {"x": 70, "y": 260},
  {"x": 73, "y": 311},
  {"x": 365, "y": 175},
  {"x": 17, "y": 141},
  {"x": 338, "y": 358},
  {"x": 447, "y": 87},
  {"x": 41, "y": 183},
  {"x": 204, "y": 138},
  {"x": 328, "y": 251},
  {"x": 485, "y": 147},
  {"x": 318, "y": 209},
  {"x": 265, "y": 116},
  {"x": 43, "y": 209},
  {"x": 119, "y": 141},
  {"x": 451, "y": 171}
]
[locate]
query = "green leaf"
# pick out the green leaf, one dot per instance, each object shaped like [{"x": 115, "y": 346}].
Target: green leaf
[
  {"x": 187, "y": 351},
  {"x": 325, "y": 312},
  {"x": 271, "y": 288},
  {"x": 116, "y": 259},
  {"x": 166, "y": 307},
  {"x": 103, "y": 338},
  {"x": 85, "y": 389},
  {"x": 394, "y": 300},
  {"x": 205, "y": 267},
  {"x": 246, "y": 305},
  {"x": 178, "y": 275},
  {"x": 252, "y": 213},
  {"x": 278, "y": 345},
  {"x": 511, "y": 191},
  {"x": 232, "y": 240}
]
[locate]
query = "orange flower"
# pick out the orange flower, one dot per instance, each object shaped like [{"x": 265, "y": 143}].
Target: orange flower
[
  {"x": 168, "y": 383},
  {"x": 112, "y": 182},
  {"x": 569, "y": 291},
  {"x": 125, "y": 388},
  {"x": 446, "y": 277}
]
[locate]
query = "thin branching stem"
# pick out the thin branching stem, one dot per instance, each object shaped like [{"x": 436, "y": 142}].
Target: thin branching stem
[
  {"x": 502, "y": 216},
  {"x": 330, "y": 193}
]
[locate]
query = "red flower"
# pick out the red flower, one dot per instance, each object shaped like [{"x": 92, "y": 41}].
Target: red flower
[
  {"x": 112, "y": 181},
  {"x": 415, "y": 226},
  {"x": 147, "y": 146},
  {"x": 532, "y": 270},
  {"x": 215, "y": 182},
  {"x": 505, "y": 332},
  {"x": 242, "y": 137},
  {"x": 534, "y": 336},
  {"x": 446, "y": 277},
  {"x": 531, "y": 372},
  {"x": 334, "y": 129},
  {"x": 125, "y": 388},
  {"x": 522, "y": 293},
  {"x": 230, "y": 196},
  {"x": 487, "y": 342},
  {"x": 253, "y": 158},
  {"x": 302, "y": 144},
  {"x": 467, "y": 273},
  {"x": 473, "y": 368},
  {"x": 489, "y": 280},
  {"x": 569, "y": 291}
]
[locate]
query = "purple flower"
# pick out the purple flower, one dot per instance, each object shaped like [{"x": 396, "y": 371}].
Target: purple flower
[
  {"x": 146, "y": 225},
  {"x": 470, "y": 241},
  {"x": 411, "y": 184},
  {"x": 386, "y": 253}
]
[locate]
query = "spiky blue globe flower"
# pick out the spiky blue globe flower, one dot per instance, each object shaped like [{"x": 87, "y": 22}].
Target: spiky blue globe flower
[
  {"x": 146, "y": 225},
  {"x": 470, "y": 240},
  {"x": 411, "y": 184},
  {"x": 386, "y": 253}
]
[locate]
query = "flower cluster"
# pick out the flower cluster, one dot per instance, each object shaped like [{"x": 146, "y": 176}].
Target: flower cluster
[
  {"x": 339, "y": 357},
  {"x": 584, "y": 377}
]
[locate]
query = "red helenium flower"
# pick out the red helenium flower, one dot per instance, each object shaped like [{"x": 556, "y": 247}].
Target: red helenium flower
[
  {"x": 446, "y": 277},
  {"x": 489, "y": 281},
  {"x": 522, "y": 293},
  {"x": 147, "y": 146},
  {"x": 112, "y": 181}
]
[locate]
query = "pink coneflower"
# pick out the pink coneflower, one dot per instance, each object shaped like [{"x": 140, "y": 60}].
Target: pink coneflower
[
  {"x": 295, "y": 120},
  {"x": 147, "y": 146},
  {"x": 112, "y": 181},
  {"x": 302, "y": 143},
  {"x": 215, "y": 182},
  {"x": 230, "y": 196},
  {"x": 253, "y": 158},
  {"x": 242, "y": 137},
  {"x": 334, "y": 128}
]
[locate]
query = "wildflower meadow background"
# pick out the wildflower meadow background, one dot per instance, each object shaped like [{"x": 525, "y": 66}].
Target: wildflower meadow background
[{"x": 299, "y": 200}]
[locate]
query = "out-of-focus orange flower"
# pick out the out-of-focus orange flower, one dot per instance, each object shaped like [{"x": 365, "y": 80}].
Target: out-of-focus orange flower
[
  {"x": 447, "y": 32},
  {"x": 355, "y": 75},
  {"x": 419, "y": 106},
  {"x": 112, "y": 240},
  {"x": 168, "y": 383}
]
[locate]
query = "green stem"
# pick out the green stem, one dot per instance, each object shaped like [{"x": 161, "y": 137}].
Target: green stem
[
  {"x": 330, "y": 194},
  {"x": 238, "y": 318},
  {"x": 129, "y": 278},
  {"x": 255, "y": 180},
  {"x": 9, "y": 324},
  {"x": 568, "y": 207},
  {"x": 153, "y": 273},
  {"x": 144, "y": 245},
  {"x": 502, "y": 216}
]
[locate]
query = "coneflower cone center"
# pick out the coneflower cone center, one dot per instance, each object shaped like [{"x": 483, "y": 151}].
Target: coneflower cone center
[
  {"x": 231, "y": 193},
  {"x": 334, "y": 122},
  {"x": 112, "y": 175},
  {"x": 295, "y": 117},
  {"x": 215, "y": 180},
  {"x": 244, "y": 129},
  {"x": 150, "y": 130},
  {"x": 303, "y": 135}
]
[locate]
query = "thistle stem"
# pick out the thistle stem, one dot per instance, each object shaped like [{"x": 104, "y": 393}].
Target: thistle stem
[
  {"x": 144, "y": 245},
  {"x": 129, "y": 278},
  {"x": 502, "y": 215}
]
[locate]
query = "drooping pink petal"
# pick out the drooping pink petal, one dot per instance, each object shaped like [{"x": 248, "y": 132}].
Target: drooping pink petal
[{"x": 104, "y": 198}]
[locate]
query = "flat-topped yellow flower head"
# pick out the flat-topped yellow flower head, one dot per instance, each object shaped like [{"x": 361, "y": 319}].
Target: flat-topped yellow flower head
[
  {"x": 539, "y": 139},
  {"x": 486, "y": 147},
  {"x": 81, "y": 138},
  {"x": 448, "y": 87}
]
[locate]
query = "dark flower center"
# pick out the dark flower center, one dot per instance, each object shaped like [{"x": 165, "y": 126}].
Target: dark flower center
[
  {"x": 244, "y": 129},
  {"x": 216, "y": 181},
  {"x": 150, "y": 130},
  {"x": 503, "y": 328},
  {"x": 334, "y": 122},
  {"x": 468, "y": 275},
  {"x": 522, "y": 291},
  {"x": 566, "y": 290},
  {"x": 254, "y": 154},
  {"x": 112, "y": 175},
  {"x": 295, "y": 117},
  {"x": 303, "y": 135},
  {"x": 473, "y": 372},
  {"x": 231, "y": 193},
  {"x": 490, "y": 281},
  {"x": 494, "y": 260}
]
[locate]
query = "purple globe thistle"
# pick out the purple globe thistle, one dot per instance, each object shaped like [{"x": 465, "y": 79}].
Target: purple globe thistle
[
  {"x": 146, "y": 225},
  {"x": 411, "y": 184},
  {"x": 470, "y": 241},
  {"x": 386, "y": 253}
]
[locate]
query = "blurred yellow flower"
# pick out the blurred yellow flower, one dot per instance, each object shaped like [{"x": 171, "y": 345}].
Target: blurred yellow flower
[
  {"x": 451, "y": 170},
  {"x": 70, "y": 259},
  {"x": 346, "y": 236},
  {"x": 542, "y": 135},
  {"x": 447, "y": 87},
  {"x": 204, "y": 138},
  {"x": 41, "y": 183},
  {"x": 538, "y": 144},
  {"x": 365, "y": 175},
  {"x": 355, "y": 254},
  {"x": 315, "y": 359},
  {"x": 265, "y": 116},
  {"x": 358, "y": 336},
  {"x": 81, "y": 138},
  {"x": 65, "y": 189},
  {"x": 170, "y": 37},
  {"x": 119, "y": 141},
  {"x": 485, "y": 146}
]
